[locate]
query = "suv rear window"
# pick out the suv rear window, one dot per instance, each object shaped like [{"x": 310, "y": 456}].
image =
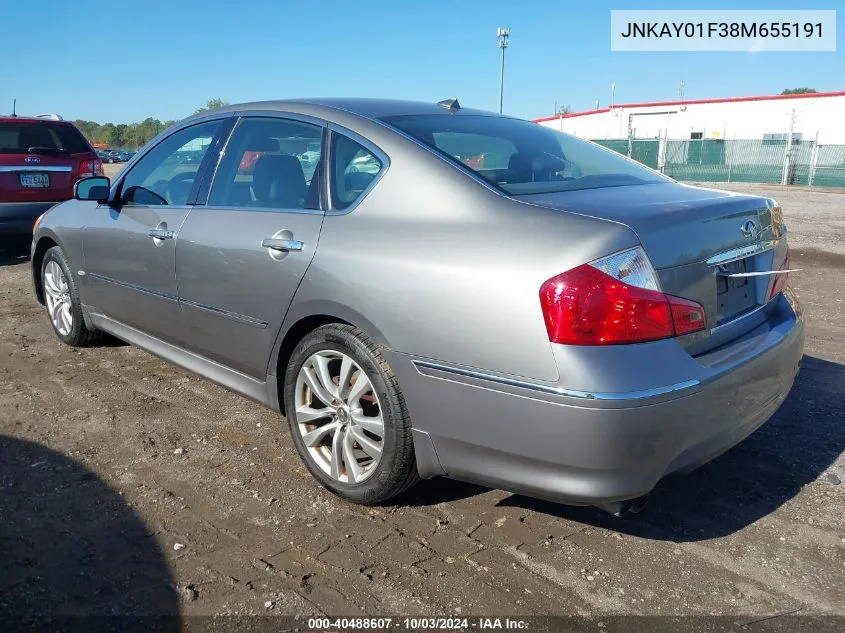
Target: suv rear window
[
  {"x": 22, "y": 137},
  {"x": 520, "y": 157}
]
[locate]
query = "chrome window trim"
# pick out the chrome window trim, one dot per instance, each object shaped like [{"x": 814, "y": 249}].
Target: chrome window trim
[
  {"x": 46, "y": 168},
  {"x": 643, "y": 394},
  {"x": 279, "y": 114},
  {"x": 368, "y": 145}
]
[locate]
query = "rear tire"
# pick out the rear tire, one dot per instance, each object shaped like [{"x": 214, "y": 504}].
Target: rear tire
[
  {"x": 61, "y": 298},
  {"x": 347, "y": 416}
]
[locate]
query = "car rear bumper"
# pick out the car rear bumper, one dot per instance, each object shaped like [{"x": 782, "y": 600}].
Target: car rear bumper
[
  {"x": 18, "y": 217},
  {"x": 598, "y": 447}
]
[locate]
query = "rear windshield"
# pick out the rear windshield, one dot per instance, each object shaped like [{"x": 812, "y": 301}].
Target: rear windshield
[
  {"x": 22, "y": 137},
  {"x": 520, "y": 157}
]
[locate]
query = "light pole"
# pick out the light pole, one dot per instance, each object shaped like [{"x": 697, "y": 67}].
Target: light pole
[{"x": 503, "y": 35}]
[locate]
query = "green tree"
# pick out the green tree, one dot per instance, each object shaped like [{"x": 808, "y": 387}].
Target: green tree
[
  {"x": 121, "y": 134},
  {"x": 103, "y": 133},
  {"x": 211, "y": 104},
  {"x": 798, "y": 91},
  {"x": 118, "y": 135}
]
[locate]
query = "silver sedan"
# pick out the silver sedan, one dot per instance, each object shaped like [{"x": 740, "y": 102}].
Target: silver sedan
[{"x": 427, "y": 290}]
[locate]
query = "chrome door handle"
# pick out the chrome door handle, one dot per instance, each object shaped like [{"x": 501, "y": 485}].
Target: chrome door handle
[
  {"x": 162, "y": 234},
  {"x": 278, "y": 244}
]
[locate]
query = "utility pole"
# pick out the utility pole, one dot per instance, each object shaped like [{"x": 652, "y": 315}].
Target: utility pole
[
  {"x": 503, "y": 35},
  {"x": 681, "y": 90},
  {"x": 787, "y": 154}
]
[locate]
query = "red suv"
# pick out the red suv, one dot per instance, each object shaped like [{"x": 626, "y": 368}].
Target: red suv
[{"x": 40, "y": 160}]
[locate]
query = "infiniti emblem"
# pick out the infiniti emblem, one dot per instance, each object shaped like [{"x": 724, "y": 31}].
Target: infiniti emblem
[
  {"x": 749, "y": 229},
  {"x": 32, "y": 159}
]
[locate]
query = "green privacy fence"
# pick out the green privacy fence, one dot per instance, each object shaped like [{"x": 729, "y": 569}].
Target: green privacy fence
[
  {"x": 739, "y": 160},
  {"x": 645, "y": 151}
]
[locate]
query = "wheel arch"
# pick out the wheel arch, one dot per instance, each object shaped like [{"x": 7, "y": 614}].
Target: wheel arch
[
  {"x": 306, "y": 318},
  {"x": 44, "y": 243}
]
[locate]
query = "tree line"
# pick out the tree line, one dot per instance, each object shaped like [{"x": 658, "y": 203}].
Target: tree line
[
  {"x": 131, "y": 135},
  {"x": 121, "y": 135}
]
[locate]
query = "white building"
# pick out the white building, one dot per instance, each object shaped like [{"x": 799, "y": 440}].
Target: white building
[{"x": 763, "y": 118}]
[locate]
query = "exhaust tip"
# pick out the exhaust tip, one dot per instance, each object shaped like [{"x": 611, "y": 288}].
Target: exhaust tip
[{"x": 628, "y": 506}]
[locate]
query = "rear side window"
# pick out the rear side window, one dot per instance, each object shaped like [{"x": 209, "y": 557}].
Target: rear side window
[
  {"x": 23, "y": 137},
  {"x": 520, "y": 157},
  {"x": 354, "y": 167},
  {"x": 270, "y": 164}
]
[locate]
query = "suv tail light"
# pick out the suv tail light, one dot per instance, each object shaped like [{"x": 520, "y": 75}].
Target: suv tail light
[
  {"x": 780, "y": 280},
  {"x": 615, "y": 300},
  {"x": 89, "y": 168}
]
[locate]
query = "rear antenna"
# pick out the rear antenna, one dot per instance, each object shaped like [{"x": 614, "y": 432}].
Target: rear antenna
[
  {"x": 451, "y": 105},
  {"x": 14, "y": 107}
]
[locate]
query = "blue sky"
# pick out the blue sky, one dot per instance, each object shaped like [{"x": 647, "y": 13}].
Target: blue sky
[{"x": 123, "y": 61}]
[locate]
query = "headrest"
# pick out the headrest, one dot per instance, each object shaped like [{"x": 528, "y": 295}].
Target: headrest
[{"x": 260, "y": 143}]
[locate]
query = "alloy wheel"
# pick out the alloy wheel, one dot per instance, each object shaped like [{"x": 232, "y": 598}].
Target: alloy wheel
[
  {"x": 338, "y": 416},
  {"x": 57, "y": 295}
]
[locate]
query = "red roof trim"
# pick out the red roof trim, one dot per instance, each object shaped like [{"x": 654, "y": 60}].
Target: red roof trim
[{"x": 648, "y": 104}]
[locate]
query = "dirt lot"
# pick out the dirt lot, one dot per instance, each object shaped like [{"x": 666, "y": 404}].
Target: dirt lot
[{"x": 100, "y": 513}]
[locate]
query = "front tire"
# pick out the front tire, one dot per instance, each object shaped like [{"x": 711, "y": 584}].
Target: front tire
[
  {"x": 61, "y": 299},
  {"x": 347, "y": 416}
]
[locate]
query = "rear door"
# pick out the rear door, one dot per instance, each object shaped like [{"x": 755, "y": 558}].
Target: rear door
[
  {"x": 240, "y": 258},
  {"x": 129, "y": 246}
]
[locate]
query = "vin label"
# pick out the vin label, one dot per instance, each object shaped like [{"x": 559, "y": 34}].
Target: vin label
[{"x": 727, "y": 30}]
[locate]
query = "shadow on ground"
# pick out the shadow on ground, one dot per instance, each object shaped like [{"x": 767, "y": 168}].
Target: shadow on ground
[
  {"x": 801, "y": 441},
  {"x": 70, "y": 546},
  {"x": 14, "y": 249}
]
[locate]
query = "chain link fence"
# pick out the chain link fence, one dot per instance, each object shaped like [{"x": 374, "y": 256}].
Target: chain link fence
[{"x": 739, "y": 160}]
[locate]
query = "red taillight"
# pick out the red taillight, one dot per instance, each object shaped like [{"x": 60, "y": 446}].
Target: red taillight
[
  {"x": 585, "y": 306},
  {"x": 687, "y": 316},
  {"x": 780, "y": 280},
  {"x": 88, "y": 168}
]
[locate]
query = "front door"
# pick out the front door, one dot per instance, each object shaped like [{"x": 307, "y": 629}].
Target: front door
[
  {"x": 129, "y": 246},
  {"x": 240, "y": 258}
]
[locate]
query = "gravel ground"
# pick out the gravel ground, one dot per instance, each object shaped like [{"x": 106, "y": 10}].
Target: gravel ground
[
  {"x": 815, "y": 217},
  {"x": 130, "y": 486}
]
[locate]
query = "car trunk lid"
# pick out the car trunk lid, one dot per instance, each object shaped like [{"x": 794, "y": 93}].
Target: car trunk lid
[
  {"x": 35, "y": 177},
  {"x": 700, "y": 242}
]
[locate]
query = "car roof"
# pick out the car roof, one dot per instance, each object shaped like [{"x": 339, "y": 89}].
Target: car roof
[
  {"x": 31, "y": 119},
  {"x": 368, "y": 108}
]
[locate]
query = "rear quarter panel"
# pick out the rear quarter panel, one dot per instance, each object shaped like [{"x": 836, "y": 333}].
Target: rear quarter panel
[{"x": 437, "y": 266}]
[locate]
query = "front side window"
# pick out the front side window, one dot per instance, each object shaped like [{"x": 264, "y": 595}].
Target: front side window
[
  {"x": 166, "y": 174},
  {"x": 354, "y": 167},
  {"x": 520, "y": 157},
  {"x": 270, "y": 164}
]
